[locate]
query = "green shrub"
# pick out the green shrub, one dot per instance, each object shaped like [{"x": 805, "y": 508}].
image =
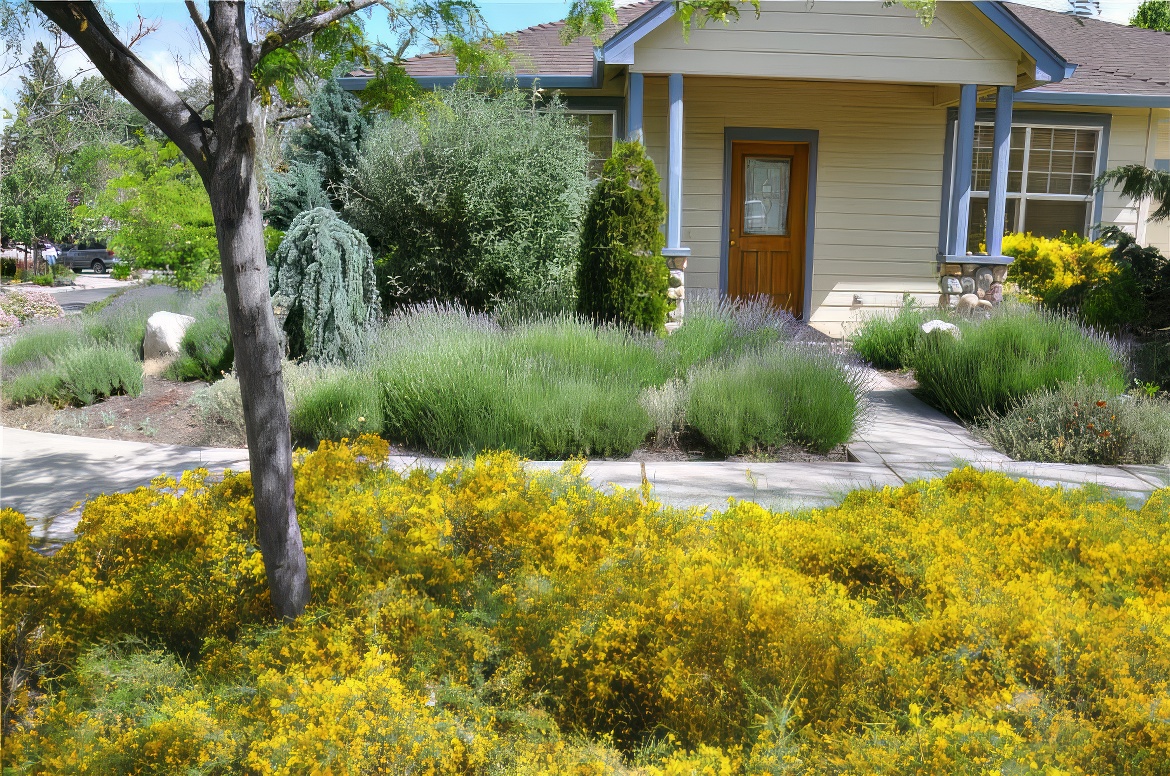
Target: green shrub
[
  {"x": 718, "y": 327},
  {"x": 96, "y": 372},
  {"x": 1080, "y": 423},
  {"x": 1014, "y": 353},
  {"x": 40, "y": 343},
  {"x": 887, "y": 341},
  {"x": 206, "y": 352},
  {"x": 621, "y": 275},
  {"x": 1111, "y": 283},
  {"x": 786, "y": 394},
  {"x": 30, "y": 387},
  {"x": 476, "y": 200},
  {"x": 221, "y": 408},
  {"x": 336, "y": 406},
  {"x": 456, "y": 384},
  {"x": 323, "y": 279}
]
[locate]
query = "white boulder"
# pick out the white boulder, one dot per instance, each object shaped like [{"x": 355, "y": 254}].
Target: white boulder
[
  {"x": 164, "y": 332},
  {"x": 943, "y": 326}
]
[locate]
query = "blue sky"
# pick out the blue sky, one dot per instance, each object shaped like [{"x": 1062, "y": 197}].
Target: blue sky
[{"x": 172, "y": 50}]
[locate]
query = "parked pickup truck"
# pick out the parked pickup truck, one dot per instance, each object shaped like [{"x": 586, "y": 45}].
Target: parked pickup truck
[{"x": 87, "y": 255}]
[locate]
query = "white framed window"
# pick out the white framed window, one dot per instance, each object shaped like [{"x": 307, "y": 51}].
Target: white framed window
[
  {"x": 1050, "y": 180},
  {"x": 600, "y": 132}
]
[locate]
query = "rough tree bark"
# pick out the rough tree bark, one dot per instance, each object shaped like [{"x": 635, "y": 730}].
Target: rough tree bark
[{"x": 223, "y": 152}]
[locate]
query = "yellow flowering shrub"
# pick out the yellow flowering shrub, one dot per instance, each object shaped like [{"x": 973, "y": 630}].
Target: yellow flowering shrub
[
  {"x": 1045, "y": 268},
  {"x": 489, "y": 620}
]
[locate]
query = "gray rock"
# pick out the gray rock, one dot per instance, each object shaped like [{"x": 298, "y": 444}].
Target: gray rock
[
  {"x": 164, "y": 333},
  {"x": 968, "y": 302},
  {"x": 941, "y": 326}
]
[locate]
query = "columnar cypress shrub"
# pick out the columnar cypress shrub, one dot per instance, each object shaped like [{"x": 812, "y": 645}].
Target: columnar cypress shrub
[
  {"x": 622, "y": 277},
  {"x": 324, "y": 278}
]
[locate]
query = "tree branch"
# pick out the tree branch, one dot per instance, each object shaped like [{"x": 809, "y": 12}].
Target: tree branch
[
  {"x": 82, "y": 22},
  {"x": 299, "y": 28},
  {"x": 201, "y": 25}
]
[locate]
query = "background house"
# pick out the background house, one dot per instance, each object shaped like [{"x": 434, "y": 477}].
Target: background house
[{"x": 839, "y": 155}]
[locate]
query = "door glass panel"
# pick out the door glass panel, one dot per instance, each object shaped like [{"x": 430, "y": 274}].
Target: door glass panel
[{"x": 765, "y": 186}]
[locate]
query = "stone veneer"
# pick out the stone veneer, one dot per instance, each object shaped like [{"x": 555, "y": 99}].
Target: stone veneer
[
  {"x": 983, "y": 279},
  {"x": 677, "y": 291}
]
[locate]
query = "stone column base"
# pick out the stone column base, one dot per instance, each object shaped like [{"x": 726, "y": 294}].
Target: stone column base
[{"x": 970, "y": 284}]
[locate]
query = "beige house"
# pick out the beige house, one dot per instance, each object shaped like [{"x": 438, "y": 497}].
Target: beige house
[{"x": 838, "y": 155}]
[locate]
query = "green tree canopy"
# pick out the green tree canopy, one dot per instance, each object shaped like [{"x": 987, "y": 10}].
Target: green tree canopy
[
  {"x": 157, "y": 212},
  {"x": 1153, "y": 15}
]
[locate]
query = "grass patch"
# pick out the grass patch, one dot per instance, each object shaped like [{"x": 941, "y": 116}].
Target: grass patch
[
  {"x": 29, "y": 387},
  {"x": 90, "y": 374},
  {"x": 206, "y": 352},
  {"x": 1079, "y": 423},
  {"x": 1014, "y": 353},
  {"x": 455, "y": 384},
  {"x": 40, "y": 343},
  {"x": 84, "y": 358},
  {"x": 777, "y": 397},
  {"x": 336, "y": 406},
  {"x": 887, "y": 341}
]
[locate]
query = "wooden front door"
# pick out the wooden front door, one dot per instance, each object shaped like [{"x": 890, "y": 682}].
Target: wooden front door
[{"x": 766, "y": 236}]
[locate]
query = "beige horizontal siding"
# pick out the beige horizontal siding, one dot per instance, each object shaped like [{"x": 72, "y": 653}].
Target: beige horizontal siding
[
  {"x": 855, "y": 41},
  {"x": 879, "y": 182}
]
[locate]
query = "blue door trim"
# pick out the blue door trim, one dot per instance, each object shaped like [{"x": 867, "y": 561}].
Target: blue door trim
[{"x": 765, "y": 134}]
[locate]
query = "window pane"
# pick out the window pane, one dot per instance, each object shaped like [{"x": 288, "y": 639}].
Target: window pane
[
  {"x": 1062, "y": 161},
  {"x": 977, "y": 222},
  {"x": 598, "y": 136},
  {"x": 981, "y": 158},
  {"x": 765, "y": 184},
  {"x": 1016, "y": 159},
  {"x": 1048, "y": 218}
]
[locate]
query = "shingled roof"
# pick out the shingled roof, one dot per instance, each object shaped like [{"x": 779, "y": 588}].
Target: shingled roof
[
  {"x": 538, "y": 50},
  {"x": 1110, "y": 58}
]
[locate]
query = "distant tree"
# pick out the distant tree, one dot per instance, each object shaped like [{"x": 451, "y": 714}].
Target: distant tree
[
  {"x": 1153, "y": 15},
  {"x": 159, "y": 213}
]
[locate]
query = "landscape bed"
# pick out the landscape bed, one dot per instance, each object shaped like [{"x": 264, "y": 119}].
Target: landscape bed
[
  {"x": 738, "y": 379},
  {"x": 487, "y": 620}
]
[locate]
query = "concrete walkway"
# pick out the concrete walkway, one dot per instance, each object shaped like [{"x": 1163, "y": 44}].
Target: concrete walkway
[{"x": 45, "y": 476}]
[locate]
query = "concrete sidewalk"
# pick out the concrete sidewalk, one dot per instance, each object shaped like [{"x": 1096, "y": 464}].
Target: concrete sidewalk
[{"x": 46, "y": 475}]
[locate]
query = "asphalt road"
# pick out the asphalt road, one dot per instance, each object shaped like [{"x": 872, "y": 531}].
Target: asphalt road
[{"x": 90, "y": 288}]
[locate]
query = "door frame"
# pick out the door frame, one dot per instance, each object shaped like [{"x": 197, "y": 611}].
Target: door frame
[{"x": 766, "y": 134}]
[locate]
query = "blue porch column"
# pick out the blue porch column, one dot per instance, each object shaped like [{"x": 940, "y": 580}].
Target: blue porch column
[
  {"x": 961, "y": 180},
  {"x": 1001, "y": 150},
  {"x": 634, "y": 108},
  {"x": 674, "y": 167}
]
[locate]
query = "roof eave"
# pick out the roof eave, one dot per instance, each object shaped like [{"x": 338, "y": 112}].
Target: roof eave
[
  {"x": 1096, "y": 99},
  {"x": 1050, "y": 65},
  {"x": 523, "y": 81},
  {"x": 619, "y": 50}
]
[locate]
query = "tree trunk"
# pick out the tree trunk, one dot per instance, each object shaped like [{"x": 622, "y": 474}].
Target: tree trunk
[{"x": 239, "y": 229}]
